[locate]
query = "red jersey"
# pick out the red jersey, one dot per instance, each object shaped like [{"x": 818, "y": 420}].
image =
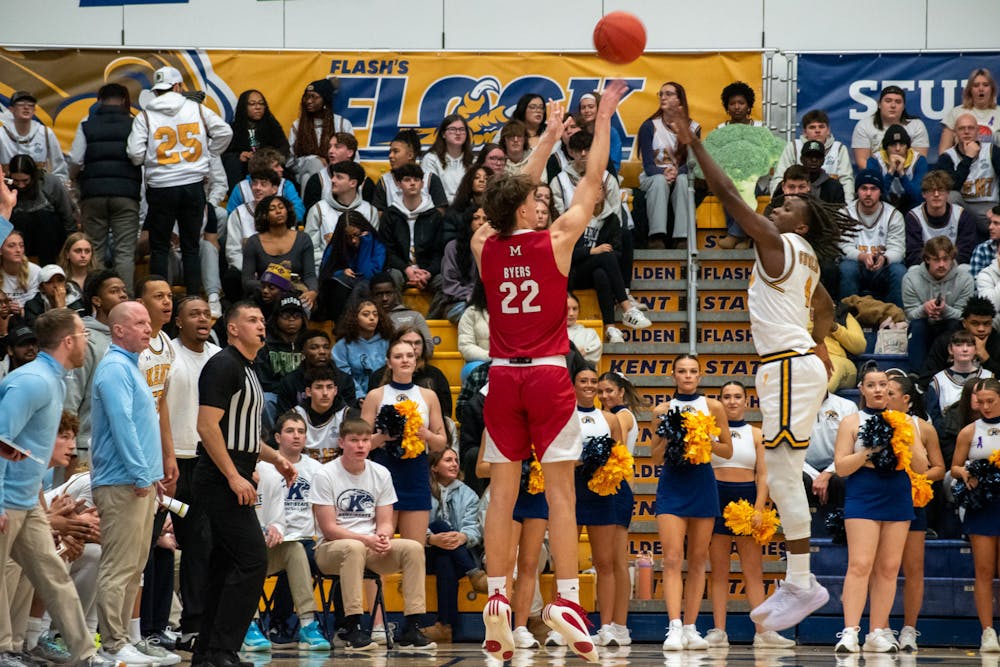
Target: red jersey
[{"x": 525, "y": 296}]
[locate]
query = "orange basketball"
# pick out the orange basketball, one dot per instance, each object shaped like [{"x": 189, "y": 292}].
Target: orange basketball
[{"x": 620, "y": 37}]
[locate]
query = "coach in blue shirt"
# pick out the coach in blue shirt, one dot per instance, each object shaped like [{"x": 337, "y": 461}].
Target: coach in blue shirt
[
  {"x": 126, "y": 462},
  {"x": 31, "y": 401}
]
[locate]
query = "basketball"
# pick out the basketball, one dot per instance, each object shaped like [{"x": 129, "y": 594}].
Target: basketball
[{"x": 619, "y": 37}]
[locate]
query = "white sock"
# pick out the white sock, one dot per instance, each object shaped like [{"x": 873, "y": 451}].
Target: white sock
[
  {"x": 306, "y": 618},
  {"x": 798, "y": 571},
  {"x": 32, "y": 633},
  {"x": 134, "y": 631},
  {"x": 618, "y": 627},
  {"x": 569, "y": 589},
  {"x": 497, "y": 585}
]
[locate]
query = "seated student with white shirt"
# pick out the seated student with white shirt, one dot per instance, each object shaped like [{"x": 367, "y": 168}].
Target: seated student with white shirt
[
  {"x": 322, "y": 413},
  {"x": 286, "y": 518},
  {"x": 823, "y": 488},
  {"x": 836, "y": 161},
  {"x": 263, "y": 160},
  {"x": 352, "y": 501}
]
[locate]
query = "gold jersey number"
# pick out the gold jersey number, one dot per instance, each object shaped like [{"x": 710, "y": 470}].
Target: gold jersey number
[{"x": 187, "y": 135}]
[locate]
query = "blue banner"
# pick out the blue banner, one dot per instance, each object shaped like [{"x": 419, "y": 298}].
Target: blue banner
[
  {"x": 119, "y": 3},
  {"x": 847, "y": 86}
]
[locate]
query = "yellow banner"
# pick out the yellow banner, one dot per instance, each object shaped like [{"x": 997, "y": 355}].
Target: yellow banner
[{"x": 380, "y": 92}]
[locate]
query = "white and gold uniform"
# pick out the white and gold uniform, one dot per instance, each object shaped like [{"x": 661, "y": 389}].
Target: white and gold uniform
[{"x": 791, "y": 380}]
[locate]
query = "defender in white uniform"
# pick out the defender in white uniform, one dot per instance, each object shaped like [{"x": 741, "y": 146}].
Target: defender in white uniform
[{"x": 791, "y": 380}]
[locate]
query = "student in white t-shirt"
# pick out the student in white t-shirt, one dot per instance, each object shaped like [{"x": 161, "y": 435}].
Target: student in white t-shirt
[
  {"x": 287, "y": 521},
  {"x": 352, "y": 501}
]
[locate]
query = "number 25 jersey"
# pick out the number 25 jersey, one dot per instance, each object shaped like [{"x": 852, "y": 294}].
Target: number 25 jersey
[{"x": 525, "y": 296}]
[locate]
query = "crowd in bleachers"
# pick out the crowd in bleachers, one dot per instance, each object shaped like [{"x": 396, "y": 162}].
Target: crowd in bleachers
[{"x": 241, "y": 212}]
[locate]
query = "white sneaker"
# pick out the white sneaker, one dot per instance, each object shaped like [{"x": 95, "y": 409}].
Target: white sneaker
[
  {"x": 623, "y": 636},
  {"x": 151, "y": 648},
  {"x": 989, "y": 643},
  {"x": 908, "y": 638},
  {"x": 379, "y": 633},
  {"x": 675, "y": 640},
  {"x": 717, "y": 638},
  {"x": 214, "y": 306},
  {"x": 524, "y": 639},
  {"x": 635, "y": 318},
  {"x": 693, "y": 640},
  {"x": 614, "y": 334},
  {"x": 771, "y": 639},
  {"x": 499, "y": 642},
  {"x": 605, "y": 636},
  {"x": 848, "y": 641},
  {"x": 880, "y": 640},
  {"x": 130, "y": 655},
  {"x": 789, "y": 605},
  {"x": 554, "y": 639}
]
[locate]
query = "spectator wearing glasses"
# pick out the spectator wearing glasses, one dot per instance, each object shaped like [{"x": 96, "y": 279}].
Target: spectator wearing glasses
[{"x": 451, "y": 154}]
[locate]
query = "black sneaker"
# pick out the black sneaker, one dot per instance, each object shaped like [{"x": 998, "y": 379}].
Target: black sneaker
[
  {"x": 412, "y": 638},
  {"x": 356, "y": 639},
  {"x": 226, "y": 659},
  {"x": 185, "y": 642}
]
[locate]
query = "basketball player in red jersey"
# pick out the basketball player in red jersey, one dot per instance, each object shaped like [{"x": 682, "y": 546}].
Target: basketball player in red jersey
[{"x": 531, "y": 399}]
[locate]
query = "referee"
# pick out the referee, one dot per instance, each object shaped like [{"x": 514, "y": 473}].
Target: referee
[{"x": 230, "y": 404}]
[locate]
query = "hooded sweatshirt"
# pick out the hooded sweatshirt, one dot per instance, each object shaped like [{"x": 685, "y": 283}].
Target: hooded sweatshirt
[
  {"x": 79, "y": 382},
  {"x": 323, "y": 217},
  {"x": 414, "y": 237},
  {"x": 172, "y": 137},
  {"x": 919, "y": 287}
]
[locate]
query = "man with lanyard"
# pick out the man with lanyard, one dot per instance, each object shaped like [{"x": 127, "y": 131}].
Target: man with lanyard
[{"x": 231, "y": 403}]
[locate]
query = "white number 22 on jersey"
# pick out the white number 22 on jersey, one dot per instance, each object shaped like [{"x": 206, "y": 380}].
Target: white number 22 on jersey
[{"x": 529, "y": 290}]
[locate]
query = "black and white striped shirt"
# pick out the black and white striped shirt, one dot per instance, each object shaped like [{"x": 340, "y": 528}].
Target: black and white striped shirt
[{"x": 228, "y": 382}]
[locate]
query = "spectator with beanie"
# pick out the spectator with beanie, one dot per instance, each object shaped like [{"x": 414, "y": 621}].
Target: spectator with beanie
[
  {"x": 873, "y": 260},
  {"x": 308, "y": 149},
  {"x": 109, "y": 183},
  {"x": 275, "y": 284},
  {"x": 902, "y": 168},
  {"x": 934, "y": 294},
  {"x": 176, "y": 164},
  {"x": 281, "y": 353},
  {"x": 936, "y": 217}
]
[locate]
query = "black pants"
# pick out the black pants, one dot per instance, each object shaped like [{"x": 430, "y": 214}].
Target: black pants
[
  {"x": 449, "y": 565},
  {"x": 194, "y": 537},
  {"x": 157, "y": 583},
  {"x": 238, "y": 563},
  {"x": 185, "y": 205},
  {"x": 43, "y": 232},
  {"x": 602, "y": 273}
]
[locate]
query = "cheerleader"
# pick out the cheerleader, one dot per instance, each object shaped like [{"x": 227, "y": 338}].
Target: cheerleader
[
  {"x": 903, "y": 396},
  {"x": 410, "y": 477},
  {"x": 979, "y": 440},
  {"x": 878, "y": 508},
  {"x": 619, "y": 397},
  {"x": 687, "y": 502},
  {"x": 597, "y": 512},
  {"x": 741, "y": 477}
]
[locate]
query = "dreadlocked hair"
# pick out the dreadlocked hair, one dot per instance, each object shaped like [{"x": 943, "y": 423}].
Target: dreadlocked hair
[{"x": 829, "y": 224}]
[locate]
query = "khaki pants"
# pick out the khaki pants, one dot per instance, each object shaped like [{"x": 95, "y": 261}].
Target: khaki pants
[
  {"x": 349, "y": 558},
  {"x": 126, "y": 534},
  {"x": 291, "y": 557},
  {"x": 28, "y": 543}
]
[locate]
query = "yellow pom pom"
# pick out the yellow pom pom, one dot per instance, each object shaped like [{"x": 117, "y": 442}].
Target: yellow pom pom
[
  {"x": 902, "y": 437},
  {"x": 536, "y": 478},
  {"x": 701, "y": 431},
  {"x": 618, "y": 467},
  {"x": 739, "y": 516},
  {"x": 995, "y": 458},
  {"x": 411, "y": 443},
  {"x": 920, "y": 488}
]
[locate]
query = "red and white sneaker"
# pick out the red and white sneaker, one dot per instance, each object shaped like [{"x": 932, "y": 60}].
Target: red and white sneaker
[
  {"x": 499, "y": 641},
  {"x": 570, "y": 620}
]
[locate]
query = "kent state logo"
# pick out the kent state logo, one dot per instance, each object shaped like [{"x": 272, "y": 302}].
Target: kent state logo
[
  {"x": 587, "y": 419},
  {"x": 355, "y": 502},
  {"x": 299, "y": 489},
  {"x": 376, "y": 103}
]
